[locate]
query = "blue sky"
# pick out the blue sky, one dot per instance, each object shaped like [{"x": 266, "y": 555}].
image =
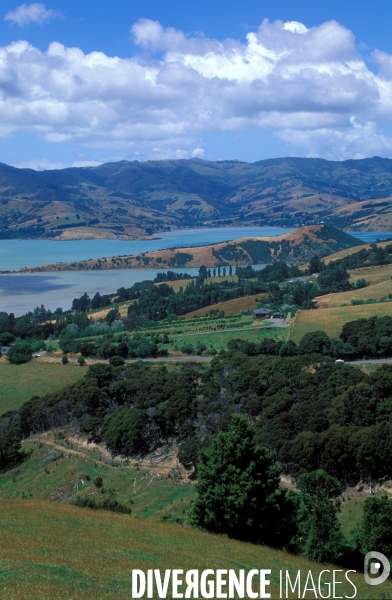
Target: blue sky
[{"x": 89, "y": 82}]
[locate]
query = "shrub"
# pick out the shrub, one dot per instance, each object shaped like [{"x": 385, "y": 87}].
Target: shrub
[
  {"x": 81, "y": 361},
  {"x": 116, "y": 361},
  {"x": 20, "y": 353},
  {"x": 187, "y": 349},
  {"x": 98, "y": 482},
  {"x": 6, "y": 338}
]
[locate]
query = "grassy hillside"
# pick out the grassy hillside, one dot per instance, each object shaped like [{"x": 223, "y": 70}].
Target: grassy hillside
[
  {"x": 56, "y": 551},
  {"x": 342, "y": 253},
  {"x": 375, "y": 292},
  {"x": 133, "y": 199},
  {"x": 19, "y": 383},
  {"x": 153, "y": 487},
  {"x": 374, "y": 274},
  {"x": 229, "y": 306},
  {"x": 331, "y": 320},
  {"x": 294, "y": 247}
]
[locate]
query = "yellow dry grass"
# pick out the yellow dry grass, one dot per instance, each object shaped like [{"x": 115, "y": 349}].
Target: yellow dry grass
[
  {"x": 377, "y": 291},
  {"x": 59, "y": 551},
  {"x": 229, "y": 306},
  {"x": 176, "y": 285},
  {"x": 101, "y": 314},
  {"x": 372, "y": 275},
  {"x": 331, "y": 320},
  {"x": 323, "y": 301},
  {"x": 348, "y": 251}
]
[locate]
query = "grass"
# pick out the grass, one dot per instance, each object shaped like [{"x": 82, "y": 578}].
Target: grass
[
  {"x": 372, "y": 275},
  {"x": 220, "y": 339},
  {"x": 150, "y": 491},
  {"x": 21, "y": 382},
  {"x": 331, "y": 320},
  {"x": 64, "y": 552},
  {"x": 229, "y": 306},
  {"x": 353, "y": 250},
  {"x": 351, "y": 513},
  {"x": 177, "y": 284},
  {"x": 376, "y": 291}
]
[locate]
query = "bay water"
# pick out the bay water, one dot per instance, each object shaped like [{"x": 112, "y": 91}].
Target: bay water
[{"x": 21, "y": 292}]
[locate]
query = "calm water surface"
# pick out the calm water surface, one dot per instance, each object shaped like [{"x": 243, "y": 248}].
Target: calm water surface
[
  {"x": 16, "y": 254},
  {"x": 22, "y": 292}
]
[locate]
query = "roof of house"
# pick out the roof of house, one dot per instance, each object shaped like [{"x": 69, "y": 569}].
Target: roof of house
[
  {"x": 262, "y": 311},
  {"x": 299, "y": 280}
]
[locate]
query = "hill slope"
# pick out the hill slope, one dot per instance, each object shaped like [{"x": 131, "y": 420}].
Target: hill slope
[
  {"x": 57, "y": 551},
  {"x": 133, "y": 199},
  {"x": 295, "y": 247}
]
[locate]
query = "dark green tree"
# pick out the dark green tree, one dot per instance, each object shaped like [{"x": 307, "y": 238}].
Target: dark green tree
[
  {"x": 319, "y": 529},
  {"x": 6, "y": 338},
  {"x": 315, "y": 264},
  {"x": 237, "y": 484},
  {"x": 20, "y": 353},
  {"x": 188, "y": 453},
  {"x": 375, "y": 529},
  {"x": 116, "y": 361},
  {"x": 314, "y": 342},
  {"x": 123, "y": 431}
]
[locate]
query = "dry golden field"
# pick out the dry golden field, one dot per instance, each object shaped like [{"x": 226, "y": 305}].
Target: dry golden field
[
  {"x": 176, "y": 285},
  {"x": 101, "y": 314},
  {"x": 331, "y": 320},
  {"x": 372, "y": 275},
  {"x": 348, "y": 251},
  {"x": 229, "y": 306},
  {"x": 377, "y": 291}
]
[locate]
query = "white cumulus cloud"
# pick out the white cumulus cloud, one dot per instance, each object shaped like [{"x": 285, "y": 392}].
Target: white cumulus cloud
[
  {"x": 31, "y": 13},
  {"x": 310, "y": 86}
]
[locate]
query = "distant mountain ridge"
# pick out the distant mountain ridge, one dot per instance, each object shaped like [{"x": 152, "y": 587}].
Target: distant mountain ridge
[
  {"x": 128, "y": 200},
  {"x": 295, "y": 247}
]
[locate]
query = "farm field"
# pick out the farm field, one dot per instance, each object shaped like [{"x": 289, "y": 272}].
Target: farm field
[
  {"x": 373, "y": 275},
  {"x": 177, "y": 284},
  {"x": 99, "y": 314},
  {"x": 229, "y": 306},
  {"x": 376, "y": 292},
  {"x": 59, "y": 551},
  {"x": 331, "y": 320},
  {"x": 19, "y": 383},
  {"x": 219, "y": 339}
]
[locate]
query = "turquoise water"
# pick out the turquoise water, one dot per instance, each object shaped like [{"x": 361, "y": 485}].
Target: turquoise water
[
  {"x": 20, "y": 293},
  {"x": 16, "y": 254}
]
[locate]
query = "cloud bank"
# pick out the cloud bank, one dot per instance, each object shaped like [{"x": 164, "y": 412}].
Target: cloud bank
[{"x": 311, "y": 87}]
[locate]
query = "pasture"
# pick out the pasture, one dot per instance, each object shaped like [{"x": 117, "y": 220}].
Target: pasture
[
  {"x": 219, "y": 339},
  {"x": 59, "y": 551},
  {"x": 19, "y": 383},
  {"x": 331, "y": 320},
  {"x": 229, "y": 306},
  {"x": 353, "y": 250},
  {"x": 376, "y": 292},
  {"x": 373, "y": 275}
]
